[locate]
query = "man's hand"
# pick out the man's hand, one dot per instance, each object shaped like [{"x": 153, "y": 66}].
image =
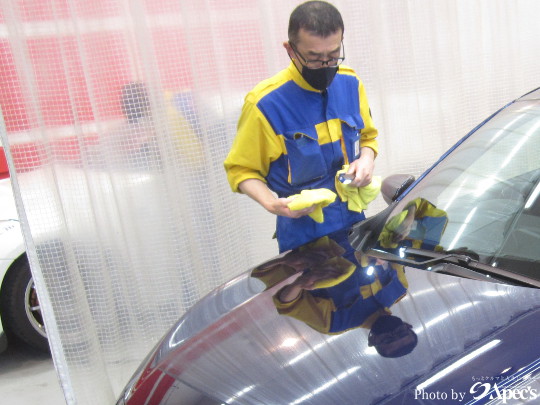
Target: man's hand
[
  {"x": 307, "y": 282},
  {"x": 259, "y": 191},
  {"x": 362, "y": 168},
  {"x": 280, "y": 207}
]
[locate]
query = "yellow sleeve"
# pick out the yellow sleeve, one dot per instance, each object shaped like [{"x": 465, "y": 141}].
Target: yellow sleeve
[
  {"x": 254, "y": 148},
  {"x": 368, "y": 135},
  {"x": 426, "y": 209},
  {"x": 185, "y": 139},
  {"x": 315, "y": 312}
]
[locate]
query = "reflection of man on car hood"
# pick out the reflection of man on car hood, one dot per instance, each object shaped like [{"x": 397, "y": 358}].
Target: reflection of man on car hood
[
  {"x": 362, "y": 300},
  {"x": 295, "y": 261}
]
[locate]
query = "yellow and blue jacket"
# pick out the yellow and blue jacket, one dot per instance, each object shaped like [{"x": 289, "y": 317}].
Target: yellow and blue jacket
[{"x": 294, "y": 137}]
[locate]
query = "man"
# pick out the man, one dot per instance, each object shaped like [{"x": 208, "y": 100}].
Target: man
[{"x": 298, "y": 128}]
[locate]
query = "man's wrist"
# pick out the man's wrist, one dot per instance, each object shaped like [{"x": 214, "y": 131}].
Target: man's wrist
[
  {"x": 366, "y": 151},
  {"x": 269, "y": 205}
]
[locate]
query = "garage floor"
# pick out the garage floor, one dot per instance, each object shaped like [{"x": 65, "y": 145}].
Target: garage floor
[{"x": 28, "y": 378}]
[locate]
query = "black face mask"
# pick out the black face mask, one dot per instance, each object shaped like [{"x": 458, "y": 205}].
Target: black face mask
[{"x": 319, "y": 79}]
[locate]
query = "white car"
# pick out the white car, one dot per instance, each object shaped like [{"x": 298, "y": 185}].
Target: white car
[{"x": 19, "y": 307}]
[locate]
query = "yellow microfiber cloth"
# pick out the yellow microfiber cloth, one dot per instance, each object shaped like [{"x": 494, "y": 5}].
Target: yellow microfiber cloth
[
  {"x": 321, "y": 197},
  {"x": 357, "y": 198}
]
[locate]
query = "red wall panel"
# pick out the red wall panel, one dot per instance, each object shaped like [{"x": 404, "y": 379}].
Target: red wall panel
[
  {"x": 109, "y": 66},
  {"x": 11, "y": 94},
  {"x": 172, "y": 58}
]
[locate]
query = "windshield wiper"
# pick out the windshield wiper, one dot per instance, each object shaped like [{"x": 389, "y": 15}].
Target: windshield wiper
[{"x": 462, "y": 263}]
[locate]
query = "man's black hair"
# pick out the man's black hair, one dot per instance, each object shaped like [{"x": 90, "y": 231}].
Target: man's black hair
[
  {"x": 317, "y": 17},
  {"x": 388, "y": 323},
  {"x": 135, "y": 102},
  {"x": 402, "y": 351}
]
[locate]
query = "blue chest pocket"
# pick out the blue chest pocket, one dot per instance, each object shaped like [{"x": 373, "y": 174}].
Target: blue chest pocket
[
  {"x": 306, "y": 161},
  {"x": 350, "y": 128}
]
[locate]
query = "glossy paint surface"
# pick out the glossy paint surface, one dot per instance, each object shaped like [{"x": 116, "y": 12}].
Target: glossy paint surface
[{"x": 470, "y": 331}]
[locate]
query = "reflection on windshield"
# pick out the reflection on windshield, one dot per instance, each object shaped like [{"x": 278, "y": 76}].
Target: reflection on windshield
[
  {"x": 333, "y": 289},
  {"x": 419, "y": 225},
  {"x": 482, "y": 198}
]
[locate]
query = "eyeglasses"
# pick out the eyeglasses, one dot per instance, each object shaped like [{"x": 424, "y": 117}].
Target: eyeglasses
[{"x": 317, "y": 63}]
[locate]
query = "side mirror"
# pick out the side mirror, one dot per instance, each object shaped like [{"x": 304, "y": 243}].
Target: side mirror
[{"x": 393, "y": 186}]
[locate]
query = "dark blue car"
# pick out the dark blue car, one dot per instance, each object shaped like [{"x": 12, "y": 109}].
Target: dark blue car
[{"x": 435, "y": 300}]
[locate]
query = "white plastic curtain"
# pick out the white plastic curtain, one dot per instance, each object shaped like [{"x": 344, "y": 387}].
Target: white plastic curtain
[{"x": 127, "y": 215}]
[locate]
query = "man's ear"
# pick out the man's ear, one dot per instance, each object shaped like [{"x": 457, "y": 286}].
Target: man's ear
[{"x": 289, "y": 49}]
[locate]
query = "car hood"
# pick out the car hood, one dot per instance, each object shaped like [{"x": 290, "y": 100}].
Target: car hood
[{"x": 475, "y": 340}]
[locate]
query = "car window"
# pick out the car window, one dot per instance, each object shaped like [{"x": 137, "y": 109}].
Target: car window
[{"x": 483, "y": 197}]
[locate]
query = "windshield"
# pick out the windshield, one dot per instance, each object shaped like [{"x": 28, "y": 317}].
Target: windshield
[{"x": 482, "y": 199}]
